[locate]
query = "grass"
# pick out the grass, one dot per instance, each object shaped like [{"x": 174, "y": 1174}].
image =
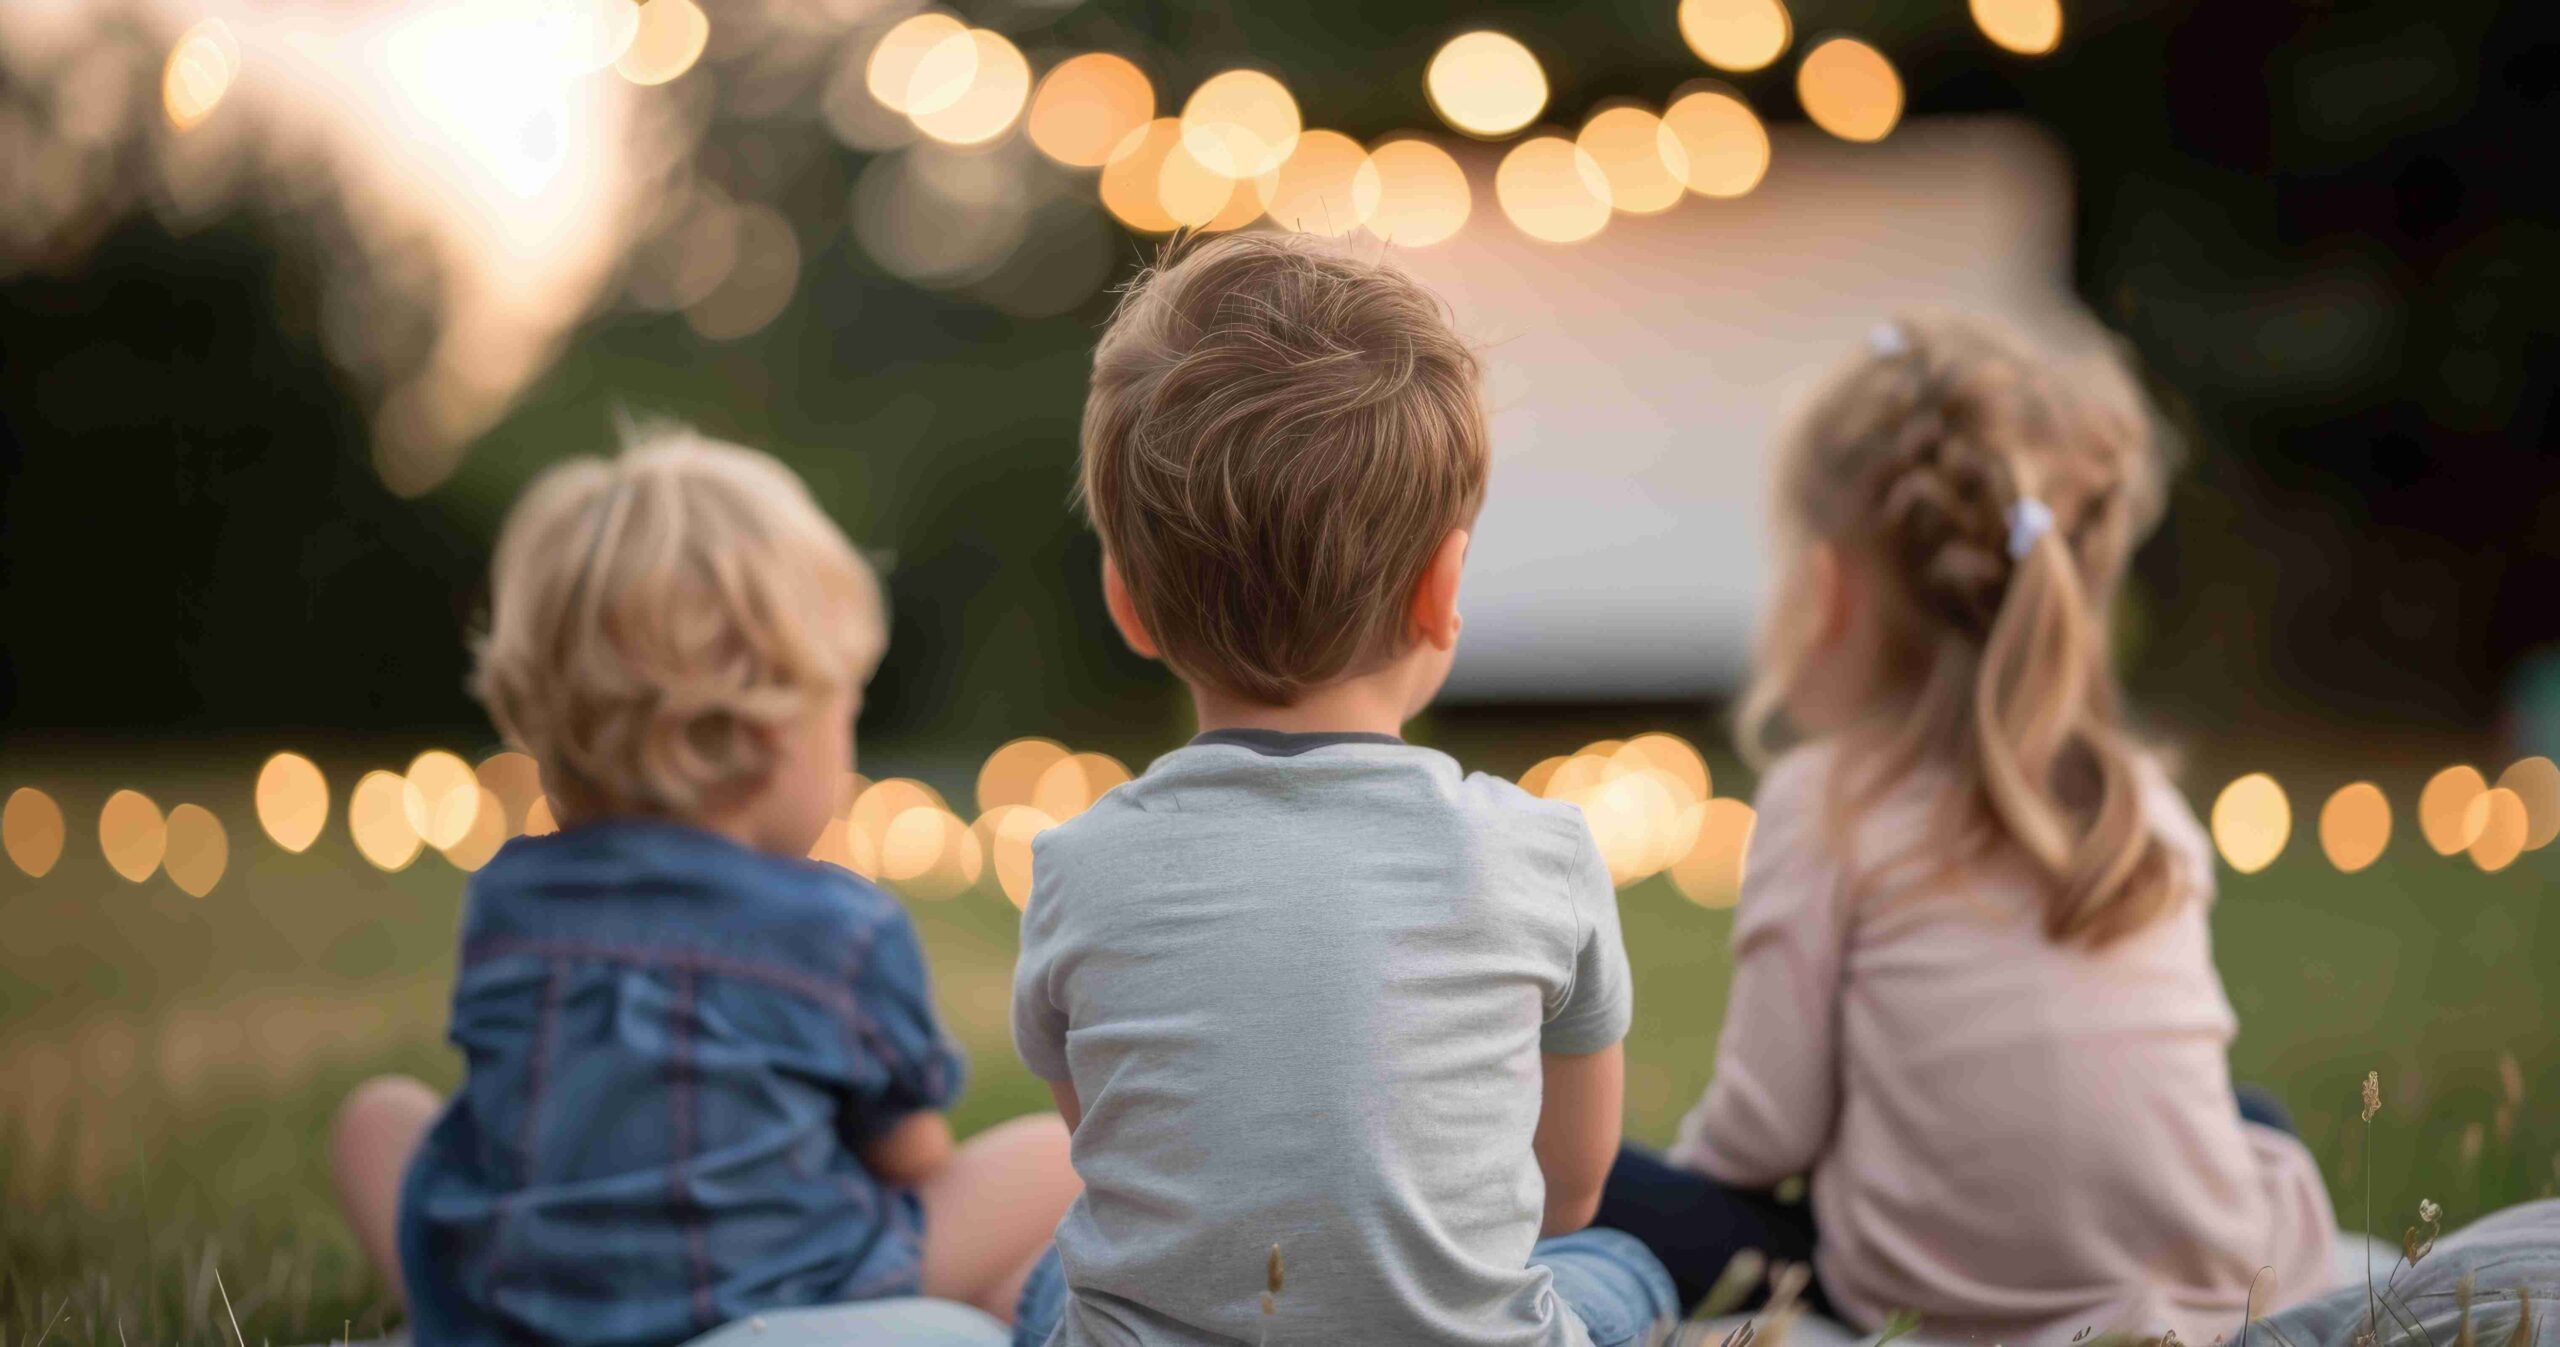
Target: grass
[{"x": 168, "y": 1064}]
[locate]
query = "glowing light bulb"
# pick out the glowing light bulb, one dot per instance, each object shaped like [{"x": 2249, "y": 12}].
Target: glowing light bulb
[
  {"x": 1552, "y": 191},
  {"x": 1736, "y": 35},
  {"x": 1850, "y": 90},
  {"x": 1423, "y": 196},
  {"x": 1486, "y": 84}
]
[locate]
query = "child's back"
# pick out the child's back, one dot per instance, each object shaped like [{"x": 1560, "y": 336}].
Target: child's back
[
  {"x": 659, "y": 1020},
  {"x": 2026, "y": 1137},
  {"x": 1319, "y": 973}
]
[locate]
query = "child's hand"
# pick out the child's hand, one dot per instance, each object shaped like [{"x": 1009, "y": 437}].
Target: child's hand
[{"x": 911, "y": 1150}]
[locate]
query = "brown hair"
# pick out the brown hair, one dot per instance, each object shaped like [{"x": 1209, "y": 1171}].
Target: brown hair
[
  {"x": 1278, "y": 436},
  {"x": 1915, "y": 459},
  {"x": 653, "y": 618}
]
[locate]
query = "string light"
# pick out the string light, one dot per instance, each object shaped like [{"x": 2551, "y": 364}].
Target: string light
[
  {"x": 31, "y": 830},
  {"x": 1486, "y": 84},
  {"x": 1552, "y": 191},
  {"x": 1711, "y": 874},
  {"x": 2027, "y": 27},
  {"x": 1012, "y": 772},
  {"x": 198, "y": 73},
  {"x": 1724, "y": 148},
  {"x": 669, "y": 39},
  {"x": 1423, "y": 196},
  {"x": 132, "y": 834},
  {"x": 198, "y": 850},
  {"x": 2445, "y": 809},
  {"x": 1128, "y": 187},
  {"x": 1327, "y": 187},
  {"x": 1197, "y": 196},
  {"x": 2252, "y": 820},
  {"x": 891, "y": 73},
  {"x": 515, "y": 781},
  {"x": 1087, "y": 106},
  {"x": 999, "y": 82},
  {"x": 487, "y": 833},
  {"x": 1647, "y": 168},
  {"x": 1736, "y": 35},
  {"x": 2498, "y": 835},
  {"x": 1850, "y": 90},
  {"x": 378, "y": 820},
  {"x": 2536, "y": 783},
  {"x": 292, "y": 801},
  {"x": 2355, "y": 826},
  {"x": 442, "y": 796},
  {"x": 1240, "y": 124},
  {"x": 1073, "y": 783}
]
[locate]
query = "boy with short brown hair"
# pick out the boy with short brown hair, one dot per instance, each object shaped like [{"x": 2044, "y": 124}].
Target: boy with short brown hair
[{"x": 1302, "y": 984}]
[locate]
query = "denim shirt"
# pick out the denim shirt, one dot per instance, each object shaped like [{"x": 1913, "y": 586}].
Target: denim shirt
[{"x": 673, "y": 1047}]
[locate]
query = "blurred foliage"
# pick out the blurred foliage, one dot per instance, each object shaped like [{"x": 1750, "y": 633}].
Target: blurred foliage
[{"x": 2325, "y": 227}]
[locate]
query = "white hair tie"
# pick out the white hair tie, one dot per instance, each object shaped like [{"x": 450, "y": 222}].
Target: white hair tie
[
  {"x": 1886, "y": 339},
  {"x": 2029, "y": 520}
]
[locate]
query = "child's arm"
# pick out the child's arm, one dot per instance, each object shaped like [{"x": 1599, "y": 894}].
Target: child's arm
[
  {"x": 910, "y": 1150},
  {"x": 1577, "y": 1138},
  {"x": 1768, "y": 1110}
]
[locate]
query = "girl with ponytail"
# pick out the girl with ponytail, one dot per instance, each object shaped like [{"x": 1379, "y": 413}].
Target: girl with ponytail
[{"x": 1974, "y": 998}]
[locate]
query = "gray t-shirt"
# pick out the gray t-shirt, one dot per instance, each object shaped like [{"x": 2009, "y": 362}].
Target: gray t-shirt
[{"x": 1301, "y": 984}]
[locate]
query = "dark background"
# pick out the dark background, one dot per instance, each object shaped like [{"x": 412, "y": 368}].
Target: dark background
[{"x": 2327, "y": 229}]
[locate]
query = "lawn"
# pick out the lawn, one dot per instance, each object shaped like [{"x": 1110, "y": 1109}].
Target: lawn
[{"x": 168, "y": 1063}]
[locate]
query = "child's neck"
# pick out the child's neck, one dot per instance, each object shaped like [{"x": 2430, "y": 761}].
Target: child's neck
[{"x": 1370, "y": 705}]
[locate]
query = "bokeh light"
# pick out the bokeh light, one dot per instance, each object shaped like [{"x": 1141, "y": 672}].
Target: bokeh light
[
  {"x": 199, "y": 72},
  {"x": 1327, "y": 186},
  {"x": 1197, "y": 196},
  {"x": 378, "y": 820},
  {"x": 2027, "y": 27},
  {"x": 2445, "y": 813},
  {"x": 1736, "y": 35},
  {"x": 1012, "y": 773},
  {"x": 293, "y": 801},
  {"x": 671, "y": 36},
  {"x": 1073, "y": 783},
  {"x": 199, "y": 850},
  {"x": 1711, "y": 874},
  {"x": 1552, "y": 191},
  {"x": 515, "y": 779},
  {"x": 487, "y": 833},
  {"x": 1673, "y": 756},
  {"x": 1129, "y": 181},
  {"x": 2536, "y": 783},
  {"x": 1539, "y": 777},
  {"x": 2499, "y": 836},
  {"x": 31, "y": 830},
  {"x": 539, "y": 819},
  {"x": 1423, "y": 196},
  {"x": 587, "y": 35},
  {"x": 878, "y": 806},
  {"x": 132, "y": 834},
  {"x": 928, "y": 853},
  {"x": 1645, "y": 799},
  {"x": 1240, "y": 124},
  {"x": 892, "y": 73},
  {"x": 2252, "y": 821},
  {"x": 443, "y": 796},
  {"x": 1724, "y": 148},
  {"x": 1087, "y": 105},
  {"x": 2355, "y": 826},
  {"x": 1486, "y": 84},
  {"x": 1850, "y": 90},
  {"x": 1005, "y": 832},
  {"x": 1647, "y": 168},
  {"x": 760, "y": 281},
  {"x": 999, "y": 84}
]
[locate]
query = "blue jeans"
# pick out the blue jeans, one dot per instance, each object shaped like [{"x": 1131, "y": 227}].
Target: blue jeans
[{"x": 1604, "y": 1277}]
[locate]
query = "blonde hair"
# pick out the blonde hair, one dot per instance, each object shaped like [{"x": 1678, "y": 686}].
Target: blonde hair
[
  {"x": 1915, "y": 460},
  {"x": 655, "y": 618},
  {"x": 1277, "y": 438}
]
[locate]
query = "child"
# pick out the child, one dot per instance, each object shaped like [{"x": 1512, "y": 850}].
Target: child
[
  {"x": 703, "y": 1073},
  {"x": 1973, "y": 991},
  {"x": 1329, "y": 1018}
]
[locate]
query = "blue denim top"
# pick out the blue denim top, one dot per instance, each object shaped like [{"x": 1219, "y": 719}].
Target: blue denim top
[{"x": 673, "y": 1047}]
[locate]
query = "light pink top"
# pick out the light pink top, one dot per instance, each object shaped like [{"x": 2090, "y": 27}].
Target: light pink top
[{"x": 2016, "y": 1139}]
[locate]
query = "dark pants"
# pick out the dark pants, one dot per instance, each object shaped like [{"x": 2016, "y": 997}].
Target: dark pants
[{"x": 1696, "y": 1225}]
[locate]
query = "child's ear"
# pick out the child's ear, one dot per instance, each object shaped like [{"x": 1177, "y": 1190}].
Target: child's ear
[
  {"x": 1124, "y": 612},
  {"x": 1434, "y": 617}
]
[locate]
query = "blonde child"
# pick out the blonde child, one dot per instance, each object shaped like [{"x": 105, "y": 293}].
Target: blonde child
[
  {"x": 1304, "y": 986},
  {"x": 1974, "y": 995},
  {"x": 703, "y": 1073}
]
